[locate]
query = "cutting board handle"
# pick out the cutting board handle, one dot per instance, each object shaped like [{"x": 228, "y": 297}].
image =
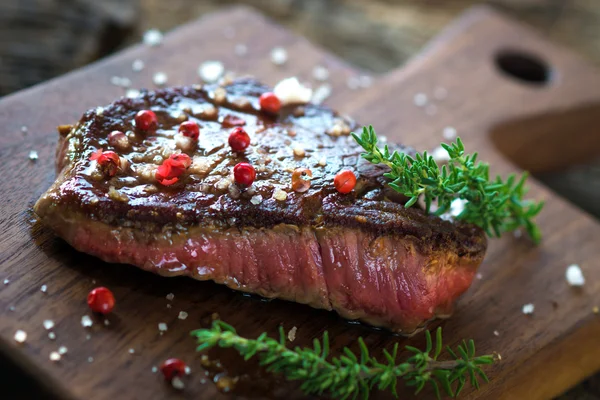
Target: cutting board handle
[{"x": 538, "y": 104}]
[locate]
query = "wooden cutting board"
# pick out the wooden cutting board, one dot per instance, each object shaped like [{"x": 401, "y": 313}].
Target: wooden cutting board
[{"x": 545, "y": 122}]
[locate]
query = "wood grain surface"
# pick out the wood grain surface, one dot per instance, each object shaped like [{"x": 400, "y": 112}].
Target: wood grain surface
[{"x": 543, "y": 354}]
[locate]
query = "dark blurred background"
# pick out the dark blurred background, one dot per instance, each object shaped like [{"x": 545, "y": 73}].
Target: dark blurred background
[{"x": 41, "y": 39}]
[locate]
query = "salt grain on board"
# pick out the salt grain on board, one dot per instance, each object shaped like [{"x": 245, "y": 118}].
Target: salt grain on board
[
  {"x": 90, "y": 359},
  {"x": 44, "y": 289},
  {"x": 321, "y": 93},
  {"x": 496, "y": 333},
  {"x": 86, "y": 321},
  {"x": 160, "y": 79},
  {"x": 62, "y": 350},
  {"x": 292, "y": 334},
  {"x": 137, "y": 65},
  {"x": 6, "y": 281},
  {"x": 182, "y": 315},
  {"x": 132, "y": 93},
  {"x": 54, "y": 356},
  {"x": 162, "y": 327},
  {"x": 20, "y": 336},
  {"x": 240, "y": 49},
  {"x": 153, "y": 37},
  {"x": 211, "y": 71},
  {"x": 290, "y": 90},
  {"x": 420, "y": 99},
  {"x": 187, "y": 370},
  {"x": 440, "y": 155},
  {"x": 170, "y": 296},
  {"x": 528, "y": 309},
  {"x": 449, "y": 133},
  {"x": 154, "y": 369},
  {"x": 279, "y": 56},
  {"x": 48, "y": 324},
  {"x": 353, "y": 83},
  {"x": 131, "y": 351},
  {"x": 574, "y": 275},
  {"x": 177, "y": 383},
  {"x": 33, "y": 155},
  {"x": 51, "y": 335},
  {"x": 320, "y": 73}
]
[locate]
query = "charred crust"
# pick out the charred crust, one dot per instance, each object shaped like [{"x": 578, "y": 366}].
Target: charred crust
[{"x": 205, "y": 194}]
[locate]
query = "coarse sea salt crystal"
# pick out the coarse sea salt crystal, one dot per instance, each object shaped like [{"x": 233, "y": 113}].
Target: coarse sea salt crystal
[
  {"x": 33, "y": 155},
  {"x": 321, "y": 93},
  {"x": 44, "y": 289},
  {"x": 528, "y": 309},
  {"x": 132, "y": 93},
  {"x": 292, "y": 334},
  {"x": 211, "y": 71},
  {"x": 162, "y": 327},
  {"x": 279, "y": 56},
  {"x": 6, "y": 281},
  {"x": 574, "y": 275},
  {"x": 131, "y": 351},
  {"x": 160, "y": 78},
  {"x": 154, "y": 369},
  {"x": 153, "y": 37},
  {"x": 137, "y": 65},
  {"x": 177, "y": 383},
  {"x": 256, "y": 199},
  {"x": 86, "y": 321},
  {"x": 320, "y": 73},
  {"x": 90, "y": 359},
  {"x": 420, "y": 99},
  {"x": 496, "y": 333},
  {"x": 48, "y": 324},
  {"x": 170, "y": 296},
  {"x": 55, "y": 356},
  {"x": 182, "y": 315},
  {"x": 457, "y": 206},
  {"x": 353, "y": 83},
  {"x": 120, "y": 81},
  {"x": 365, "y": 81},
  {"x": 51, "y": 335},
  {"x": 20, "y": 336},
  {"x": 240, "y": 49},
  {"x": 290, "y": 90},
  {"x": 62, "y": 350},
  {"x": 440, "y": 154},
  {"x": 449, "y": 133}
]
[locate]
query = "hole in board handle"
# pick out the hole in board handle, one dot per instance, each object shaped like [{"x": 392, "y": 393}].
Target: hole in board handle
[{"x": 523, "y": 67}]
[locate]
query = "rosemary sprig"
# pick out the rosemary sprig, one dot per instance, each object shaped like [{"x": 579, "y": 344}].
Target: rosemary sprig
[
  {"x": 350, "y": 375},
  {"x": 497, "y": 206}
]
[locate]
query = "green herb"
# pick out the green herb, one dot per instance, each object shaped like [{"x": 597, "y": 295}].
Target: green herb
[
  {"x": 350, "y": 375},
  {"x": 497, "y": 206}
]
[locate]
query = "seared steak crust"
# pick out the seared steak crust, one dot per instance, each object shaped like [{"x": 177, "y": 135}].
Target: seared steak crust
[{"x": 362, "y": 254}]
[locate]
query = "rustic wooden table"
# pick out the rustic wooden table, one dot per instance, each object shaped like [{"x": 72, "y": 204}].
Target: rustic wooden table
[{"x": 380, "y": 35}]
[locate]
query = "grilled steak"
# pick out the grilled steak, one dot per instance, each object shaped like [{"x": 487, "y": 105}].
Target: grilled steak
[{"x": 361, "y": 254}]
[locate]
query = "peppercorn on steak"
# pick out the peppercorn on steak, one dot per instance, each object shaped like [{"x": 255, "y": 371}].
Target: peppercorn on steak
[{"x": 224, "y": 183}]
